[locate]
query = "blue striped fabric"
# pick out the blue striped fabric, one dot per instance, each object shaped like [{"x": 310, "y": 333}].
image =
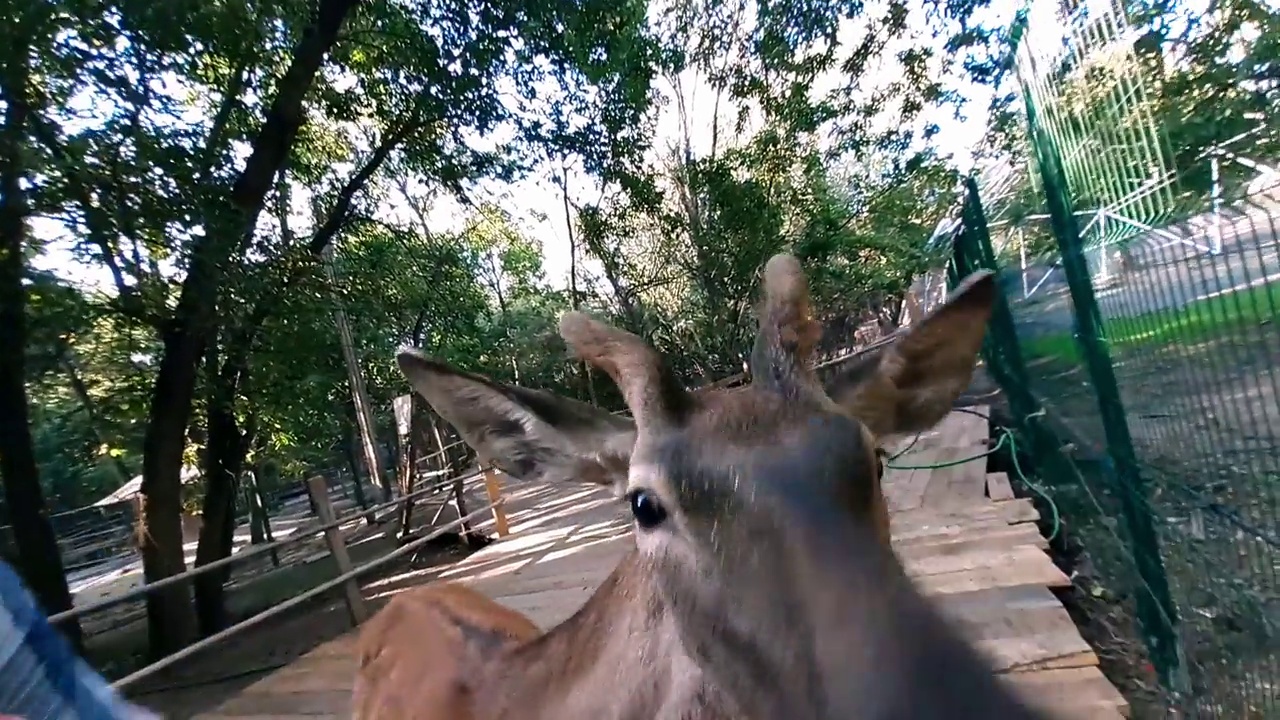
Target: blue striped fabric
[{"x": 41, "y": 677}]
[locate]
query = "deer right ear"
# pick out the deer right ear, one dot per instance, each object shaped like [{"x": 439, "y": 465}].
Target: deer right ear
[
  {"x": 909, "y": 385},
  {"x": 528, "y": 434}
]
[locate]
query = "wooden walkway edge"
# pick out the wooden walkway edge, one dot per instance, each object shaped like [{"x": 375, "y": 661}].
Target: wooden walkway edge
[{"x": 964, "y": 538}]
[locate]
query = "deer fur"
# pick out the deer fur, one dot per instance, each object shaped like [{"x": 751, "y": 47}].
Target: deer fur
[{"x": 761, "y": 584}]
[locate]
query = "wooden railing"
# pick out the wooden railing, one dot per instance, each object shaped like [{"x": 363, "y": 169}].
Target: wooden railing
[{"x": 329, "y": 527}]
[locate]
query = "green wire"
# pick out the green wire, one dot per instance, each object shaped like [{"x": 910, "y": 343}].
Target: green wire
[
  {"x": 1017, "y": 467},
  {"x": 950, "y": 463},
  {"x": 1006, "y": 436}
]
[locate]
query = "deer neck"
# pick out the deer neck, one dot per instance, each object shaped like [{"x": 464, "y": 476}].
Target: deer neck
[{"x": 618, "y": 658}]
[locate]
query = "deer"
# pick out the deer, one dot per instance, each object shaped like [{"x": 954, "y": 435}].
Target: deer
[{"x": 761, "y": 583}]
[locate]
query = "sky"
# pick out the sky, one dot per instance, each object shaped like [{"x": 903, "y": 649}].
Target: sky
[{"x": 536, "y": 203}]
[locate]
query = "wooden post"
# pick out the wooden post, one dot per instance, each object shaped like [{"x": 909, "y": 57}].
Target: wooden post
[
  {"x": 311, "y": 498},
  {"x": 494, "y": 491},
  {"x": 359, "y": 393},
  {"x": 139, "y": 526},
  {"x": 319, "y": 490}
]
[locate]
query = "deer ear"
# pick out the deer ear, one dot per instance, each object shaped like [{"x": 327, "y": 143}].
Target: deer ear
[
  {"x": 528, "y": 434},
  {"x": 910, "y": 384}
]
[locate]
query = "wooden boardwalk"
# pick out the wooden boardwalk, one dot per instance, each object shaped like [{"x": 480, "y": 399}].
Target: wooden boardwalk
[{"x": 963, "y": 537}]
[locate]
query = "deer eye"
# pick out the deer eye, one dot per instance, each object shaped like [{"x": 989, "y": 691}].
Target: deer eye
[{"x": 646, "y": 508}]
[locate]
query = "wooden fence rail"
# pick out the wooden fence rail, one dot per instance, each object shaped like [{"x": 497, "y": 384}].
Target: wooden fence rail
[
  {"x": 344, "y": 578},
  {"x": 249, "y": 553}
]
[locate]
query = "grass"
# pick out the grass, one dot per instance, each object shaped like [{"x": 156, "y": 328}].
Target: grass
[{"x": 1210, "y": 318}]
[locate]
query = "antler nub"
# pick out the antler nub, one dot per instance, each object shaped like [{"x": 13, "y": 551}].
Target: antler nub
[{"x": 788, "y": 332}]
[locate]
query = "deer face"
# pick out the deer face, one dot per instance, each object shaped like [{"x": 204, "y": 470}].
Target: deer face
[{"x": 754, "y": 507}]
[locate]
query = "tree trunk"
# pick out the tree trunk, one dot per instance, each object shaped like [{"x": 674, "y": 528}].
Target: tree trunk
[
  {"x": 40, "y": 562},
  {"x": 171, "y": 623},
  {"x": 227, "y": 448}
]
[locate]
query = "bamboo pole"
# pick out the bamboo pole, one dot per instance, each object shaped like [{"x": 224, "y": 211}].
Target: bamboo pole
[{"x": 359, "y": 393}]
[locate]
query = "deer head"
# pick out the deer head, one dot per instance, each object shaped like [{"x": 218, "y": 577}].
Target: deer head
[{"x": 753, "y": 505}]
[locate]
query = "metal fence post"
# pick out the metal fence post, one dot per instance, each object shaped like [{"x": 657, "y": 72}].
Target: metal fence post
[
  {"x": 1002, "y": 353},
  {"x": 1157, "y": 613}
]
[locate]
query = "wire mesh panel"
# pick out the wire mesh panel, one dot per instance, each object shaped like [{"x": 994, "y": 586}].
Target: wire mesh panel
[{"x": 1136, "y": 344}]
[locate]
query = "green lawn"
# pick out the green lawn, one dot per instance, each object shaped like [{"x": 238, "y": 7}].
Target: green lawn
[{"x": 1221, "y": 316}]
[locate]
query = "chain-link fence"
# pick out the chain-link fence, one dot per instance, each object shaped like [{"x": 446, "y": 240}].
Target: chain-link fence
[{"x": 1136, "y": 345}]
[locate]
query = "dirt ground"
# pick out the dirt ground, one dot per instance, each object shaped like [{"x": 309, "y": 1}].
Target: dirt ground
[
  {"x": 211, "y": 677},
  {"x": 1205, "y": 424}
]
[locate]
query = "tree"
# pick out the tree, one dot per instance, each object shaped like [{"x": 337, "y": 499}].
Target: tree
[
  {"x": 231, "y": 145},
  {"x": 40, "y": 561}
]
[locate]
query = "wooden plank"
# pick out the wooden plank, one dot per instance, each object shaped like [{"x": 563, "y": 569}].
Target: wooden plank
[
  {"x": 1011, "y": 511},
  {"x": 950, "y": 431},
  {"x": 516, "y": 585},
  {"x": 549, "y": 608},
  {"x": 909, "y": 444},
  {"x": 948, "y": 530},
  {"x": 904, "y": 489},
  {"x": 1018, "y": 511},
  {"x": 935, "y": 495},
  {"x": 275, "y": 704},
  {"x": 958, "y": 485},
  {"x": 542, "y": 555},
  {"x": 1019, "y": 629},
  {"x": 310, "y": 673},
  {"x": 969, "y": 483},
  {"x": 998, "y": 487},
  {"x": 506, "y": 558},
  {"x": 1008, "y": 536},
  {"x": 1070, "y": 693},
  {"x": 596, "y": 558},
  {"x": 972, "y": 426},
  {"x": 981, "y": 509},
  {"x": 1023, "y": 569},
  {"x": 943, "y": 563}
]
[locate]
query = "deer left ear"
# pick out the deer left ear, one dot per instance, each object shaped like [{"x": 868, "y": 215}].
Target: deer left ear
[
  {"x": 909, "y": 385},
  {"x": 528, "y": 434}
]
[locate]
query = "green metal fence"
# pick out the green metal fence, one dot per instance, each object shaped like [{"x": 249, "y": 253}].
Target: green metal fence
[{"x": 1136, "y": 345}]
